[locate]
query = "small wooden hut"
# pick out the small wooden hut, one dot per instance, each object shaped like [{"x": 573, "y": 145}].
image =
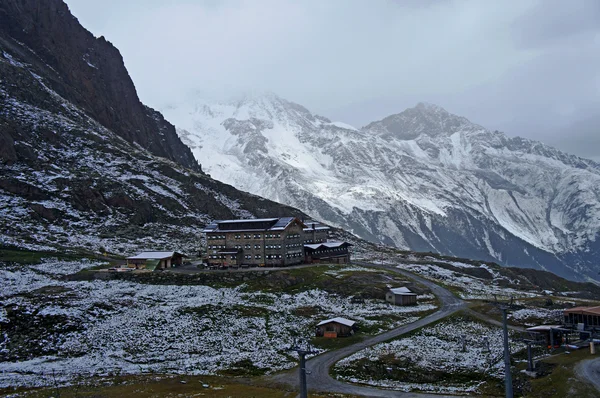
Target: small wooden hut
[
  {"x": 336, "y": 327},
  {"x": 401, "y": 296},
  {"x": 153, "y": 260}
]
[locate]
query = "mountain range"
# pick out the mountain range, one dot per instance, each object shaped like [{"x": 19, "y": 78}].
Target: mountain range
[
  {"x": 85, "y": 164},
  {"x": 423, "y": 179}
]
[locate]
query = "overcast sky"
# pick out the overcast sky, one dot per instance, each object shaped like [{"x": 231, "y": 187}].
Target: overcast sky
[{"x": 525, "y": 67}]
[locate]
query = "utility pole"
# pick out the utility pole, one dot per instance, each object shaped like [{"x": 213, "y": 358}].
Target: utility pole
[
  {"x": 302, "y": 368},
  {"x": 530, "y": 365},
  {"x": 507, "y": 375}
]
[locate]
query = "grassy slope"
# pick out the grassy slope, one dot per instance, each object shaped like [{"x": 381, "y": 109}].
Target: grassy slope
[
  {"x": 165, "y": 386},
  {"x": 561, "y": 380}
]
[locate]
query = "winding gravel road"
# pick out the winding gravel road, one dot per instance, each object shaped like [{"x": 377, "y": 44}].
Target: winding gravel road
[
  {"x": 319, "y": 378},
  {"x": 590, "y": 371}
]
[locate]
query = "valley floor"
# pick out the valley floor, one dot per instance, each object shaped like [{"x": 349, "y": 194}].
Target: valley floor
[
  {"x": 64, "y": 323},
  {"x": 56, "y": 329}
]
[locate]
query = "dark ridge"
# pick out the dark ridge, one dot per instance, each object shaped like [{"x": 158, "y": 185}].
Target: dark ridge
[{"x": 88, "y": 72}]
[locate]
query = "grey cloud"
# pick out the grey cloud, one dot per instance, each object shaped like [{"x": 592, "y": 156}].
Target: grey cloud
[
  {"x": 529, "y": 68},
  {"x": 558, "y": 21}
]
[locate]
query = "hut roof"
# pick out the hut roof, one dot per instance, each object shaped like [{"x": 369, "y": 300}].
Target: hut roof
[
  {"x": 403, "y": 291},
  {"x": 343, "y": 321},
  {"x": 152, "y": 255},
  {"x": 543, "y": 328}
]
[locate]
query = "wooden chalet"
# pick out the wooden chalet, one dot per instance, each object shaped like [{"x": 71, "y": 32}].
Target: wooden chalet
[{"x": 336, "y": 327}]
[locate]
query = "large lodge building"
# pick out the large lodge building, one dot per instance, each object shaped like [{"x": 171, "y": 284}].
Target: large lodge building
[{"x": 266, "y": 242}]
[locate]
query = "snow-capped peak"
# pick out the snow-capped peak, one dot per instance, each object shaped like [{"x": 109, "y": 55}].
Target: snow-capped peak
[
  {"x": 424, "y": 118},
  {"x": 423, "y": 179}
]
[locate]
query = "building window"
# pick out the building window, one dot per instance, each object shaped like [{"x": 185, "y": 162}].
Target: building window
[
  {"x": 257, "y": 257},
  {"x": 257, "y": 246},
  {"x": 237, "y": 236},
  {"x": 247, "y": 246},
  {"x": 256, "y": 236}
]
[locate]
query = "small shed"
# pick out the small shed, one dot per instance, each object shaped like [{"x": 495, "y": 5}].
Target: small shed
[
  {"x": 401, "y": 296},
  {"x": 549, "y": 334},
  {"x": 336, "y": 327},
  {"x": 152, "y": 260}
]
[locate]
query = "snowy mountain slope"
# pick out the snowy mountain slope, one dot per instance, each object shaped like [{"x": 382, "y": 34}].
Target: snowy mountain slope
[
  {"x": 423, "y": 179},
  {"x": 68, "y": 181}
]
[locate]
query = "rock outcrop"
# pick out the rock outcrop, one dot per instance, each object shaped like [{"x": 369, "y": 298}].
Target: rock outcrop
[{"x": 88, "y": 72}]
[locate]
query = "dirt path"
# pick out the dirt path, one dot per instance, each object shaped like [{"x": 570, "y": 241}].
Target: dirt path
[
  {"x": 589, "y": 370},
  {"x": 319, "y": 378},
  {"x": 493, "y": 321}
]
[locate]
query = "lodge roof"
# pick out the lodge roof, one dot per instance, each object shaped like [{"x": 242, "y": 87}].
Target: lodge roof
[
  {"x": 328, "y": 245},
  {"x": 342, "y": 321},
  {"x": 584, "y": 310},
  {"x": 252, "y": 225},
  {"x": 315, "y": 225},
  {"x": 152, "y": 255}
]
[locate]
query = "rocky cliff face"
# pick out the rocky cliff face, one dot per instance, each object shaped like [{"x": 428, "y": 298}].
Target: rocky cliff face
[
  {"x": 423, "y": 179},
  {"x": 86, "y": 71},
  {"x": 67, "y": 180}
]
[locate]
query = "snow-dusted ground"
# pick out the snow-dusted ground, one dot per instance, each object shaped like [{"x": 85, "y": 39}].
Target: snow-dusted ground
[
  {"x": 125, "y": 327},
  {"x": 535, "y": 316},
  {"x": 470, "y": 287},
  {"x": 350, "y": 268},
  {"x": 436, "y": 348}
]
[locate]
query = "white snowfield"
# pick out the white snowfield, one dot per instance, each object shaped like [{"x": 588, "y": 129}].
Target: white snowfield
[
  {"x": 403, "y": 175},
  {"x": 535, "y": 316},
  {"x": 130, "y": 328},
  {"x": 439, "y": 348}
]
